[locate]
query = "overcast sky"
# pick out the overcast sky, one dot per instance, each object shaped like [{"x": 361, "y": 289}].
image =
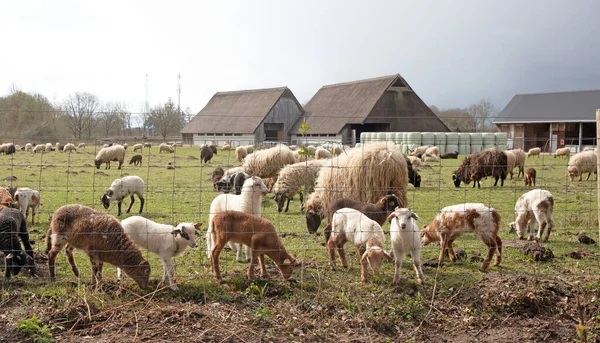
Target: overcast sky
[{"x": 452, "y": 53}]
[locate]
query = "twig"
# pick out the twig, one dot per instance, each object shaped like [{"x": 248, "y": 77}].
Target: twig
[
  {"x": 136, "y": 326},
  {"x": 87, "y": 305}
]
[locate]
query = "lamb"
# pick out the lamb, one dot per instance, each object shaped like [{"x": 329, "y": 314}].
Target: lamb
[
  {"x": 267, "y": 163},
  {"x": 206, "y": 154},
  {"x": 137, "y": 147},
  {"x": 322, "y": 153},
  {"x": 448, "y": 155},
  {"x": 164, "y": 147},
  {"x": 29, "y": 147},
  {"x": 8, "y": 148},
  {"x": 147, "y": 145},
  {"x": 164, "y": 240},
  {"x": 13, "y": 221},
  {"x": 520, "y": 160},
  {"x": 481, "y": 164},
  {"x": 136, "y": 160},
  {"x": 292, "y": 178},
  {"x": 39, "y": 148},
  {"x": 530, "y": 177},
  {"x": 534, "y": 152},
  {"x": 106, "y": 155},
  {"x": 240, "y": 153},
  {"x": 80, "y": 145},
  {"x": 226, "y": 147},
  {"x": 120, "y": 188},
  {"x": 6, "y": 199},
  {"x": 452, "y": 221},
  {"x": 216, "y": 175},
  {"x": 69, "y": 147},
  {"x": 350, "y": 225},
  {"x": 562, "y": 152},
  {"x": 430, "y": 158},
  {"x": 435, "y": 151},
  {"x": 419, "y": 150},
  {"x": 249, "y": 201},
  {"x": 406, "y": 239},
  {"x": 511, "y": 160},
  {"x": 538, "y": 205},
  {"x": 232, "y": 227},
  {"x": 580, "y": 163},
  {"x": 102, "y": 238},
  {"x": 28, "y": 198}
]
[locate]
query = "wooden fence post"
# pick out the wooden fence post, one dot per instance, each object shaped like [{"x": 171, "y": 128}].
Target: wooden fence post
[{"x": 598, "y": 164}]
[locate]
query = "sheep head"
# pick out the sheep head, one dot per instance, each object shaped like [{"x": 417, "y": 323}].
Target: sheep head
[
  {"x": 390, "y": 202},
  {"x": 428, "y": 235},
  {"x": 106, "y": 198},
  {"x": 140, "y": 273},
  {"x": 280, "y": 198},
  {"x": 98, "y": 163},
  {"x": 403, "y": 216},
  {"x": 374, "y": 256},
  {"x": 17, "y": 260},
  {"x": 187, "y": 231}
]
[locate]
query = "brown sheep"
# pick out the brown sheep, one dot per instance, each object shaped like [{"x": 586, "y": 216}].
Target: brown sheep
[
  {"x": 475, "y": 167},
  {"x": 530, "y": 177},
  {"x": 136, "y": 160}
]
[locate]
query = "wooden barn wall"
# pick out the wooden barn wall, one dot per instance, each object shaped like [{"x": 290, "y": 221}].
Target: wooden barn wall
[{"x": 285, "y": 111}]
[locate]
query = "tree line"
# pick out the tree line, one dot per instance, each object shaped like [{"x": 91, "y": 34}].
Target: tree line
[{"x": 477, "y": 117}]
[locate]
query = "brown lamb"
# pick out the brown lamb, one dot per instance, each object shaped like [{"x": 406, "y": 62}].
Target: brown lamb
[
  {"x": 530, "y": 177},
  {"x": 136, "y": 160},
  {"x": 257, "y": 233},
  {"x": 101, "y": 236}
]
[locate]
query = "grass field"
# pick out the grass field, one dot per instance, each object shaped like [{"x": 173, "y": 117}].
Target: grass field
[{"x": 521, "y": 299}]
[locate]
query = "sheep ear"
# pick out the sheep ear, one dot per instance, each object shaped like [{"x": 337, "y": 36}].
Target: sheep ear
[
  {"x": 176, "y": 232},
  {"x": 9, "y": 256},
  {"x": 387, "y": 255},
  {"x": 383, "y": 201},
  {"x": 197, "y": 226},
  {"x": 365, "y": 255},
  {"x": 414, "y": 216},
  {"x": 392, "y": 216}
]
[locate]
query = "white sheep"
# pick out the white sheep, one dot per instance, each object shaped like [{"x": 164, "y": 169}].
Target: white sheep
[
  {"x": 125, "y": 146},
  {"x": 28, "y": 198},
  {"x": 241, "y": 153},
  {"x": 226, "y": 147},
  {"x": 430, "y": 158},
  {"x": 147, "y": 145},
  {"x": 292, "y": 179},
  {"x": 511, "y": 160},
  {"x": 164, "y": 240},
  {"x": 48, "y": 147},
  {"x": 69, "y": 147},
  {"x": 562, "y": 152},
  {"x": 17, "y": 147},
  {"x": 535, "y": 205},
  {"x": 406, "y": 239},
  {"x": 350, "y": 225},
  {"x": 29, "y": 147},
  {"x": 419, "y": 150},
  {"x": 434, "y": 150},
  {"x": 80, "y": 145},
  {"x": 106, "y": 155},
  {"x": 534, "y": 152},
  {"x": 322, "y": 153},
  {"x": 267, "y": 163},
  {"x": 249, "y": 201},
  {"x": 120, "y": 188},
  {"x": 415, "y": 161},
  {"x": 164, "y": 147},
  {"x": 580, "y": 163},
  {"x": 39, "y": 148},
  {"x": 137, "y": 147}
]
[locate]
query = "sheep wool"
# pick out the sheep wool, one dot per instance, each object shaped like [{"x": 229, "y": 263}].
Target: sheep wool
[
  {"x": 241, "y": 153},
  {"x": 322, "y": 153},
  {"x": 267, "y": 163},
  {"x": 106, "y": 155}
]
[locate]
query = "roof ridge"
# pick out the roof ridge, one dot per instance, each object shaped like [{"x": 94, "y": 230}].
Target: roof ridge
[
  {"x": 561, "y": 92},
  {"x": 283, "y": 88},
  {"x": 360, "y": 81}
]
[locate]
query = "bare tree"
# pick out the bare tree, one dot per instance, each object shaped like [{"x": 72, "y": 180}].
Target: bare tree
[
  {"x": 482, "y": 113},
  {"x": 110, "y": 117},
  {"x": 457, "y": 119},
  {"x": 80, "y": 109},
  {"x": 165, "y": 118}
]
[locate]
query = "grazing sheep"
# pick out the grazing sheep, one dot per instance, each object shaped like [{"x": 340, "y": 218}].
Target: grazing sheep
[
  {"x": 491, "y": 162},
  {"x": 413, "y": 176},
  {"x": 102, "y": 238},
  {"x": 106, "y": 155},
  {"x": 216, "y": 175},
  {"x": 120, "y": 188},
  {"x": 80, "y": 145},
  {"x": 69, "y": 147},
  {"x": 164, "y": 240},
  {"x": 125, "y": 146},
  {"x": 350, "y": 225},
  {"x": 430, "y": 158},
  {"x": 206, "y": 154},
  {"x": 311, "y": 150},
  {"x": 7, "y": 148},
  {"x": 249, "y": 149},
  {"x": 267, "y": 163},
  {"x": 406, "y": 239},
  {"x": 535, "y": 205},
  {"x": 453, "y": 220},
  {"x": 249, "y": 201},
  {"x": 448, "y": 155},
  {"x": 534, "y": 152},
  {"x": 39, "y": 148},
  {"x": 520, "y": 160},
  {"x": 529, "y": 177},
  {"x": 232, "y": 227},
  {"x": 226, "y": 147},
  {"x": 580, "y": 163},
  {"x": 147, "y": 145},
  {"x": 19, "y": 148},
  {"x": 415, "y": 161},
  {"x": 511, "y": 160},
  {"x": 562, "y": 152},
  {"x": 336, "y": 150},
  {"x": 419, "y": 151},
  {"x": 137, "y": 147},
  {"x": 434, "y": 151},
  {"x": 16, "y": 258},
  {"x": 292, "y": 178},
  {"x": 136, "y": 160},
  {"x": 16, "y": 224},
  {"x": 28, "y": 198},
  {"x": 164, "y": 147},
  {"x": 48, "y": 147},
  {"x": 322, "y": 153},
  {"x": 240, "y": 153},
  {"x": 29, "y": 147}
]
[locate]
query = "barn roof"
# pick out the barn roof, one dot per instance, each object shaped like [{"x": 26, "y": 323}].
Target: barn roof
[
  {"x": 236, "y": 112},
  {"x": 576, "y": 106}
]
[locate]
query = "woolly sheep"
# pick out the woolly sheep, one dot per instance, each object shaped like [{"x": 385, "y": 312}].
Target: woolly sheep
[
  {"x": 249, "y": 148},
  {"x": 448, "y": 155},
  {"x": 240, "y": 153},
  {"x": 226, "y": 147},
  {"x": 206, "y": 154},
  {"x": 267, "y": 163},
  {"x": 125, "y": 146},
  {"x": 69, "y": 147},
  {"x": 81, "y": 146},
  {"x": 311, "y": 150},
  {"x": 520, "y": 160},
  {"x": 350, "y": 225},
  {"x": 39, "y": 148},
  {"x": 580, "y": 163},
  {"x": 511, "y": 160},
  {"x": 322, "y": 153},
  {"x": 29, "y": 147},
  {"x": 137, "y": 147},
  {"x": 106, "y": 155},
  {"x": 534, "y": 152},
  {"x": 435, "y": 151},
  {"x": 147, "y": 145},
  {"x": 415, "y": 161},
  {"x": 102, "y": 238},
  {"x": 535, "y": 205},
  {"x": 430, "y": 158},
  {"x": 164, "y": 240},
  {"x": 12, "y": 220},
  {"x": 491, "y": 162},
  {"x": 562, "y": 152},
  {"x": 406, "y": 239},
  {"x": 49, "y": 147},
  {"x": 164, "y": 147},
  {"x": 28, "y": 198},
  {"x": 120, "y": 188},
  {"x": 292, "y": 178},
  {"x": 419, "y": 150}
]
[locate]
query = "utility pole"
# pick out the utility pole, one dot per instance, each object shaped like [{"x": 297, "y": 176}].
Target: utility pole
[
  {"x": 179, "y": 98},
  {"x": 146, "y": 107}
]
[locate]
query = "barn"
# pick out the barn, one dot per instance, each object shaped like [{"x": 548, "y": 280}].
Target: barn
[
  {"x": 245, "y": 117},
  {"x": 551, "y": 120},
  {"x": 341, "y": 112}
]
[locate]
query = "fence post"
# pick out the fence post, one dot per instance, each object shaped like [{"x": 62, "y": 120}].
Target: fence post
[{"x": 597, "y": 163}]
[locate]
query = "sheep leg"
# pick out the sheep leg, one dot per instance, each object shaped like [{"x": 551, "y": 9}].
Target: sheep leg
[
  {"x": 491, "y": 244},
  {"x": 253, "y": 262},
  {"x": 398, "y": 266},
  {"x": 363, "y": 264},
  {"x": 69, "y": 251},
  {"x": 141, "y": 203},
  {"x": 214, "y": 259},
  {"x": 331, "y": 247},
  {"x": 442, "y": 248},
  {"x": 416, "y": 256},
  {"x": 168, "y": 271},
  {"x": 541, "y": 231},
  {"x": 119, "y": 274},
  {"x": 263, "y": 269},
  {"x": 119, "y": 207},
  {"x": 450, "y": 249},
  {"x": 32, "y": 216},
  {"x": 496, "y": 182},
  {"x": 342, "y": 254},
  {"x": 498, "y": 251},
  {"x": 131, "y": 203},
  {"x": 301, "y": 202},
  {"x": 287, "y": 207}
]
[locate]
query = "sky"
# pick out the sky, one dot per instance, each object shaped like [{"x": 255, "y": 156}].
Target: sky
[{"x": 452, "y": 53}]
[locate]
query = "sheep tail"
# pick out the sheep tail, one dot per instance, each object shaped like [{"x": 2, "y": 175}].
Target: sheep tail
[{"x": 48, "y": 240}]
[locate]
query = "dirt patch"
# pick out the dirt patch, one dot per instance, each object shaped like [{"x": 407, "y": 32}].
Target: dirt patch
[
  {"x": 192, "y": 158},
  {"x": 579, "y": 253},
  {"x": 101, "y": 173},
  {"x": 87, "y": 165},
  {"x": 72, "y": 172},
  {"x": 10, "y": 178},
  {"x": 537, "y": 252},
  {"x": 585, "y": 239}
]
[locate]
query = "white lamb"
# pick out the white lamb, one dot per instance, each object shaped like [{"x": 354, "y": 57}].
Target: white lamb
[
  {"x": 39, "y": 148},
  {"x": 534, "y": 152},
  {"x": 535, "y": 205},
  {"x": 120, "y": 188},
  {"x": 406, "y": 239},
  {"x": 164, "y": 240},
  {"x": 137, "y": 147},
  {"x": 249, "y": 201},
  {"x": 80, "y": 145},
  {"x": 29, "y": 147},
  {"x": 69, "y": 147},
  {"x": 28, "y": 198},
  {"x": 562, "y": 152}
]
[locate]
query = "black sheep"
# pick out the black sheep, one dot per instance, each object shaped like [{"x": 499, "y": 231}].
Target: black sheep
[
  {"x": 206, "y": 154},
  {"x": 481, "y": 164},
  {"x": 13, "y": 227}
]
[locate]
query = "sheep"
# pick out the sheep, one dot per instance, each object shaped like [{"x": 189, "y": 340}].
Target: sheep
[
  {"x": 580, "y": 163},
  {"x": 448, "y": 155},
  {"x": 520, "y": 160},
  {"x": 415, "y": 161},
  {"x": 164, "y": 147},
  {"x": 322, "y": 153},
  {"x": 249, "y": 201},
  {"x": 8, "y": 148},
  {"x": 213, "y": 148},
  {"x": 19, "y": 148},
  {"x": 147, "y": 145},
  {"x": 350, "y": 225},
  {"x": 529, "y": 178},
  {"x": 293, "y": 147},
  {"x": 105, "y": 145},
  {"x": 589, "y": 148},
  {"x": 562, "y": 152},
  {"x": 137, "y": 147},
  {"x": 59, "y": 147},
  {"x": 336, "y": 150},
  {"x": 479, "y": 165},
  {"x": 136, "y": 160},
  {"x": 291, "y": 179},
  {"x": 29, "y": 147},
  {"x": 434, "y": 150},
  {"x": 206, "y": 154},
  {"x": 298, "y": 157},
  {"x": 419, "y": 151},
  {"x": 16, "y": 258},
  {"x": 535, "y": 205},
  {"x": 48, "y": 147},
  {"x": 106, "y": 155},
  {"x": 80, "y": 145},
  {"x": 216, "y": 175},
  {"x": 164, "y": 240},
  {"x": 511, "y": 160},
  {"x": 69, "y": 147},
  {"x": 534, "y": 152},
  {"x": 232, "y": 227},
  {"x": 231, "y": 182},
  {"x": 28, "y": 198},
  {"x": 6, "y": 199},
  {"x": 240, "y": 153},
  {"x": 267, "y": 163},
  {"x": 311, "y": 150},
  {"x": 18, "y": 226},
  {"x": 430, "y": 158},
  {"x": 120, "y": 188},
  {"x": 363, "y": 175},
  {"x": 406, "y": 239},
  {"x": 102, "y": 238},
  {"x": 413, "y": 176},
  {"x": 452, "y": 221},
  {"x": 39, "y": 148},
  {"x": 226, "y": 147},
  {"x": 125, "y": 146}
]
